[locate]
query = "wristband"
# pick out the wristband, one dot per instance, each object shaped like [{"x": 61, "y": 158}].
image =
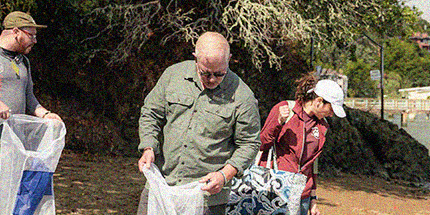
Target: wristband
[
  {"x": 314, "y": 198},
  {"x": 223, "y": 175},
  {"x": 46, "y": 113},
  {"x": 148, "y": 148}
]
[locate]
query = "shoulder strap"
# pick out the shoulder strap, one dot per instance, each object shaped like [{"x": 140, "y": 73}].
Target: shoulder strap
[{"x": 291, "y": 105}]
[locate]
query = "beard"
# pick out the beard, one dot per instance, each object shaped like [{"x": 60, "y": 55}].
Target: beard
[{"x": 23, "y": 48}]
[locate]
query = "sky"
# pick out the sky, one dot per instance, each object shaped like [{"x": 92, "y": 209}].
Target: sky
[{"x": 422, "y": 5}]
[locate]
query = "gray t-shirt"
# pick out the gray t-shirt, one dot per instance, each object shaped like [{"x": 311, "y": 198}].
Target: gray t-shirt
[{"x": 16, "y": 85}]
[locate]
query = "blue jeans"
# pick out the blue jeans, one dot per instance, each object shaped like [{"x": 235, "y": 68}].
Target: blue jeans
[{"x": 304, "y": 206}]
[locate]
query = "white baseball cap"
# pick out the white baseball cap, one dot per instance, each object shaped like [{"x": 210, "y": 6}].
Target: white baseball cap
[{"x": 332, "y": 93}]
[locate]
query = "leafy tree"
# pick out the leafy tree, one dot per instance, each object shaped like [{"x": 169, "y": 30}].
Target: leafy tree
[
  {"x": 411, "y": 63},
  {"x": 260, "y": 26},
  {"x": 392, "y": 82},
  {"x": 101, "y": 57},
  {"x": 359, "y": 82},
  {"x": 22, "y": 5},
  {"x": 405, "y": 65}
]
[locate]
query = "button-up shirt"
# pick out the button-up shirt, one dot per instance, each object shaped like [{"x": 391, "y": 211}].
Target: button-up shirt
[{"x": 195, "y": 131}]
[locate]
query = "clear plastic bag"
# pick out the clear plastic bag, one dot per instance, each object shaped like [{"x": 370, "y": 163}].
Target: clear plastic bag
[
  {"x": 187, "y": 199},
  {"x": 30, "y": 148}
]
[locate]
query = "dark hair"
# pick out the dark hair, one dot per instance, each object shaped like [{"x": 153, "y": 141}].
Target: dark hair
[{"x": 304, "y": 84}]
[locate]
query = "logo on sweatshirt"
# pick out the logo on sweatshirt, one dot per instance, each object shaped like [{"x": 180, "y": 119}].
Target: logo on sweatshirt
[{"x": 316, "y": 133}]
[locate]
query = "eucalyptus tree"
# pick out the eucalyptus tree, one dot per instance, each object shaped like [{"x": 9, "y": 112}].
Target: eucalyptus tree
[{"x": 261, "y": 26}]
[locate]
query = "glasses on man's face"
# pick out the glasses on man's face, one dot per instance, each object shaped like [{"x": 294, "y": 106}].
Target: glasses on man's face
[
  {"x": 209, "y": 74},
  {"x": 30, "y": 35}
]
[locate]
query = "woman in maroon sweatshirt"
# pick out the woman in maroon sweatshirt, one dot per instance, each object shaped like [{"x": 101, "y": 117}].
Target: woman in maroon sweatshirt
[{"x": 299, "y": 140}]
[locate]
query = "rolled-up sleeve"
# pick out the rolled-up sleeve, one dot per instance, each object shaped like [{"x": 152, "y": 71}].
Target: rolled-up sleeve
[{"x": 247, "y": 135}]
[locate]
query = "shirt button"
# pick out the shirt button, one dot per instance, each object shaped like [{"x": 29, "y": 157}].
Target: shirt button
[
  {"x": 182, "y": 162},
  {"x": 195, "y": 111}
]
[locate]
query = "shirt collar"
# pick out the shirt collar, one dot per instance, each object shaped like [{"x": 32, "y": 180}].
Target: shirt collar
[
  {"x": 11, "y": 55},
  {"x": 298, "y": 109},
  {"x": 191, "y": 74}
]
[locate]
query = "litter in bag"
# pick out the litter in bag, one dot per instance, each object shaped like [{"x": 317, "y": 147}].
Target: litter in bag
[
  {"x": 30, "y": 148},
  {"x": 163, "y": 199}
]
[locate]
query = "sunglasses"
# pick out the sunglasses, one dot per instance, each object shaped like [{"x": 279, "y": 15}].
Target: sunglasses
[
  {"x": 209, "y": 74},
  {"x": 30, "y": 35}
]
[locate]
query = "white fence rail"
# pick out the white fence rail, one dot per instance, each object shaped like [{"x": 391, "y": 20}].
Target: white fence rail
[{"x": 404, "y": 105}]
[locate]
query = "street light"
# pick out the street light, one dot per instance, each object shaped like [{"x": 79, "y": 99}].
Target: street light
[{"x": 381, "y": 67}]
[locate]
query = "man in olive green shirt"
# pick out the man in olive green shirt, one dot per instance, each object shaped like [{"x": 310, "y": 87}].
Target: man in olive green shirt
[{"x": 202, "y": 122}]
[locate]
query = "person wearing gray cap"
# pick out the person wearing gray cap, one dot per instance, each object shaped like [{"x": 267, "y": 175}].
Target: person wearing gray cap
[
  {"x": 297, "y": 129},
  {"x": 16, "y": 92}
]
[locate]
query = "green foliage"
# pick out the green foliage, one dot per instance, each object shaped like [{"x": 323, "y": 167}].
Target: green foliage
[
  {"x": 262, "y": 27},
  {"x": 405, "y": 65},
  {"x": 359, "y": 82},
  {"x": 407, "y": 60},
  {"x": 417, "y": 24},
  {"x": 27, "y": 6},
  {"x": 392, "y": 84},
  {"x": 390, "y": 18}
]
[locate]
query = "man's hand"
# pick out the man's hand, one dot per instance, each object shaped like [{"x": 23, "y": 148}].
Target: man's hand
[
  {"x": 4, "y": 111},
  {"x": 284, "y": 112},
  {"x": 147, "y": 158},
  {"x": 215, "y": 182},
  {"x": 45, "y": 114},
  {"x": 52, "y": 116}
]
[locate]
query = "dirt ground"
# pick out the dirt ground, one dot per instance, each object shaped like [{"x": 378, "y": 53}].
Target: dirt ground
[{"x": 88, "y": 184}]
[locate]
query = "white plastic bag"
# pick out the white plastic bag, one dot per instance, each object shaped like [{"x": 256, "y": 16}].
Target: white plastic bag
[
  {"x": 30, "y": 148},
  {"x": 163, "y": 199}
]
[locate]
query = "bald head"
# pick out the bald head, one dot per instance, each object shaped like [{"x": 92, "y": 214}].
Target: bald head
[{"x": 212, "y": 46}]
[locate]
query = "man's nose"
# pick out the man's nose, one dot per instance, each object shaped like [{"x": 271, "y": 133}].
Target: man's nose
[{"x": 212, "y": 78}]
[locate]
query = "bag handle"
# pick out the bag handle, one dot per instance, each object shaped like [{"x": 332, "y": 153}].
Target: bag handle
[
  {"x": 272, "y": 151},
  {"x": 269, "y": 158}
]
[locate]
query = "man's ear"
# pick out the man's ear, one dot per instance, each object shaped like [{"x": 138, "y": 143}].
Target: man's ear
[{"x": 15, "y": 30}]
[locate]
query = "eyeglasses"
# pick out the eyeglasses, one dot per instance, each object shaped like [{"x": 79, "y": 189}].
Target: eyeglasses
[
  {"x": 30, "y": 35},
  {"x": 209, "y": 74}
]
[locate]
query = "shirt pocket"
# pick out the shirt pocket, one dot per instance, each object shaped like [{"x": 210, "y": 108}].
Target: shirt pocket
[
  {"x": 178, "y": 104},
  {"x": 219, "y": 120}
]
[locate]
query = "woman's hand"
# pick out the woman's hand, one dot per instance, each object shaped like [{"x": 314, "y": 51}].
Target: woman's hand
[{"x": 284, "y": 112}]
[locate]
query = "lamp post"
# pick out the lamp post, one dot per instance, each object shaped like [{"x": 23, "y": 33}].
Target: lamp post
[
  {"x": 381, "y": 67},
  {"x": 312, "y": 52}
]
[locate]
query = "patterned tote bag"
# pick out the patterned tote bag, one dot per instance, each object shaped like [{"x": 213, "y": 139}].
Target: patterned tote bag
[{"x": 263, "y": 190}]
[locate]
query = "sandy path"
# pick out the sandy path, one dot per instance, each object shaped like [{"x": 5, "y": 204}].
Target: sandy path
[
  {"x": 362, "y": 195},
  {"x": 91, "y": 184}
]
